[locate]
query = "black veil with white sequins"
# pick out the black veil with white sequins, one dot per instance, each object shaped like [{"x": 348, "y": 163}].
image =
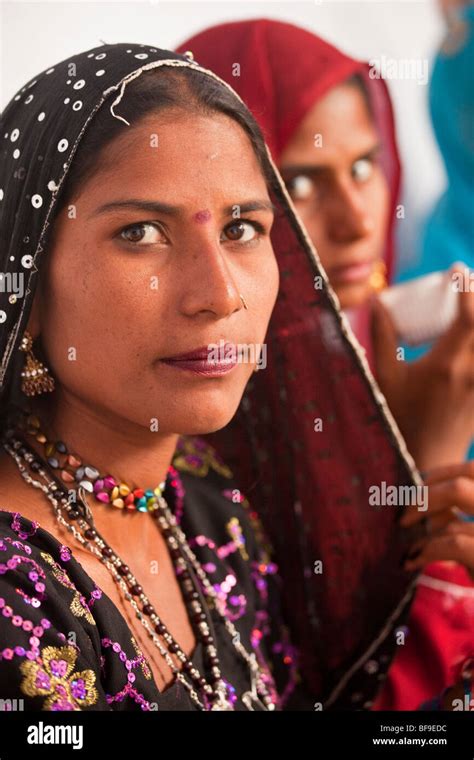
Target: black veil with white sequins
[{"x": 41, "y": 128}]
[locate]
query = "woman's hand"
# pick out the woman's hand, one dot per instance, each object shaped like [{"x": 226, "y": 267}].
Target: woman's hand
[
  {"x": 447, "y": 535},
  {"x": 432, "y": 398}
]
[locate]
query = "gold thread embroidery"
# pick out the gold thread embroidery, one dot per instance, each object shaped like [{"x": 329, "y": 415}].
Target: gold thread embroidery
[
  {"x": 54, "y": 678},
  {"x": 144, "y": 663},
  {"x": 198, "y": 458},
  {"x": 77, "y": 608},
  {"x": 235, "y": 531}
]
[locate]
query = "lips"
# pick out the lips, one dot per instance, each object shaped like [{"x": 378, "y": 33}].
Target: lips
[
  {"x": 200, "y": 362},
  {"x": 203, "y": 352},
  {"x": 352, "y": 271}
]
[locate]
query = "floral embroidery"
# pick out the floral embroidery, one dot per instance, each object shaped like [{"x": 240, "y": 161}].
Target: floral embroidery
[
  {"x": 198, "y": 457},
  {"x": 16, "y": 525},
  {"x": 52, "y": 676},
  {"x": 78, "y": 605},
  {"x": 128, "y": 689}
]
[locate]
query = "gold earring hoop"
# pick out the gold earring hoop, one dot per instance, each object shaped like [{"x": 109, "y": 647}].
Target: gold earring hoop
[
  {"x": 243, "y": 301},
  {"x": 378, "y": 278},
  {"x": 35, "y": 375}
]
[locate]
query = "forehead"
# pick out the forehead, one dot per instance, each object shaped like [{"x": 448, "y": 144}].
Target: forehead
[
  {"x": 343, "y": 120},
  {"x": 179, "y": 154}
]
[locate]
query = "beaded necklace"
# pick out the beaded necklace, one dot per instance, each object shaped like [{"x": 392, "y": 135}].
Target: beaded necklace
[
  {"x": 72, "y": 470},
  {"x": 76, "y": 516}
]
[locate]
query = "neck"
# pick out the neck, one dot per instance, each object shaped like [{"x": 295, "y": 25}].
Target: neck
[{"x": 132, "y": 453}]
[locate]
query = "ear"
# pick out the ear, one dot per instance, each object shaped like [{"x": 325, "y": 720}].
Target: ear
[{"x": 34, "y": 322}]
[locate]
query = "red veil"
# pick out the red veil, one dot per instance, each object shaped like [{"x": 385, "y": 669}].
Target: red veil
[{"x": 308, "y": 441}]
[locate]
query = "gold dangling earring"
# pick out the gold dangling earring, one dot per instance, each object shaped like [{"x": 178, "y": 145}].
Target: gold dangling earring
[
  {"x": 35, "y": 374},
  {"x": 378, "y": 278}
]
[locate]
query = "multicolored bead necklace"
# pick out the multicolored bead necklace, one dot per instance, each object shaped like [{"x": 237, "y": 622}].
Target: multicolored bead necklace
[
  {"x": 105, "y": 488},
  {"x": 208, "y": 694}
]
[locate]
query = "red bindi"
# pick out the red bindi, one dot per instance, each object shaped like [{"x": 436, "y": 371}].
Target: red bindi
[{"x": 202, "y": 216}]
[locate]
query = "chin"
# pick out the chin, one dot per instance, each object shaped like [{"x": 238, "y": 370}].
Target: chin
[
  {"x": 204, "y": 417},
  {"x": 353, "y": 295},
  {"x": 203, "y": 424}
]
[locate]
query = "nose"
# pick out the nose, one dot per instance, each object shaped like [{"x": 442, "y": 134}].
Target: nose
[
  {"x": 209, "y": 285},
  {"x": 348, "y": 217}
]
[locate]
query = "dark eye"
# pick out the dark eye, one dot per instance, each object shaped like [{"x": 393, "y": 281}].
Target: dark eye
[
  {"x": 362, "y": 169},
  {"x": 243, "y": 231},
  {"x": 143, "y": 233},
  {"x": 300, "y": 187}
]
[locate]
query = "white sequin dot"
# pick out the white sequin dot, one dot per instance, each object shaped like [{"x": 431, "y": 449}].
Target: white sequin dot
[
  {"x": 17, "y": 97},
  {"x": 41, "y": 116},
  {"x": 52, "y": 185},
  {"x": 68, "y": 81},
  {"x": 50, "y": 71},
  {"x": 63, "y": 145},
  {"x": 3, "y": 316},
  {"x": 14, "y": 135},
  {"x": 29, "y": 99},
  {"x": 1, "y": 194},
  {"x": 27, "y": 261},
  {"x": 141, "y": 55},
  {"x": 16, "y": 153},
  {"x": 100, "y": 56},
  {"x": 77, "y": 105},
  {"x": 67, "y": 100},
  {"x": 79, "y": 85},
  {"x": 100, "y": 73},
  {"x": 36, "y": 201},
  {"x": 91, "y": 55}
]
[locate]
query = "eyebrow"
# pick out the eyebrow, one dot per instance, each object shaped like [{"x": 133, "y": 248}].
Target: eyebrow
[
  {"x": 319, "y": 168},
  {"x": 157, "y": 207}
]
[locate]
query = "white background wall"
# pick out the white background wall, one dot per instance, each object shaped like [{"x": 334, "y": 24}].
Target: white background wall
[{"x": 35, "y": 35}]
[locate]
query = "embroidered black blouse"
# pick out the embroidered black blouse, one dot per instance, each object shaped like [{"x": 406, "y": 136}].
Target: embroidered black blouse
[{"x": 64, "y": 645}]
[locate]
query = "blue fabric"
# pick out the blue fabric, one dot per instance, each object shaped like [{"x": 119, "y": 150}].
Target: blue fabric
[{"x": 448, "y": 234}]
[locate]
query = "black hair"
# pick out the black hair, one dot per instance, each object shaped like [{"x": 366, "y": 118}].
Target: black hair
[{"x": 183, "y": 89}]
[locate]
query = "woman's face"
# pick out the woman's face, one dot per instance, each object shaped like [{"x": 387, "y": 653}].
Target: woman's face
[
  {"x": 127, "y": 285},
  {"x": 333, "y": 175}
]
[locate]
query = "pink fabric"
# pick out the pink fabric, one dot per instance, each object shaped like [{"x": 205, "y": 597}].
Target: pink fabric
[{"x": 440, "y": 636}]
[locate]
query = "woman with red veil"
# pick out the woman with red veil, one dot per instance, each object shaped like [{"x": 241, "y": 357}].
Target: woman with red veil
[{"x": 302, "y": 472}]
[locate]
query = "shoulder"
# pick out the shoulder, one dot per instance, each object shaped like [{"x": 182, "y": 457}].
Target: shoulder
[
  {"x": 45, "y": 623},
  {"x": 36, "y": 567}
]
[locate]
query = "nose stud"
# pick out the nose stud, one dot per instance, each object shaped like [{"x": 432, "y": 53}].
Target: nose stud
[{"x": 243, "y": 301}]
